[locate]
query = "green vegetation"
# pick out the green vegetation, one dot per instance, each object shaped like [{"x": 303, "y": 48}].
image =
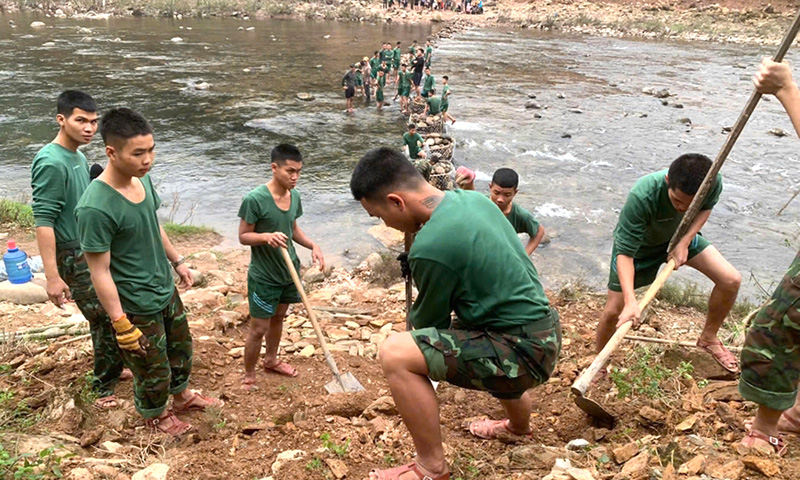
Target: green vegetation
[
  {"x": 86, "y": 392},
  {"x": 387, "y": 272},
  {"x": 646, "y": 375},
  {"x": 16, "y": 213},
  {"x": 333, "y": 447},
  {"x": 314, "y": 464},
  {"x": 180, "y": 231},
  {"x": 15, "y": 415},
  {"x": 27, "y": 466},
  {"x": 689, "y": 294}
]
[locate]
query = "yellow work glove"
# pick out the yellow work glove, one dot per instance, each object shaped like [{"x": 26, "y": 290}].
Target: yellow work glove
[{"x": 129, "y": 337}]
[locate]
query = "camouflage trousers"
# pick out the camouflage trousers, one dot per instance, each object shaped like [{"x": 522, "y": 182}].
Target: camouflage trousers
[
  {"x": 771, "y": 353},
  {"x": 165, "y": 369},
  {"x": 504, "y": 363},
  {"x": 108, "y": 364}
]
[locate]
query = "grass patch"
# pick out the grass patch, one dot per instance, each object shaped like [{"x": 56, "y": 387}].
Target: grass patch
[
  {"x": 340, "y": 450},
  {"x": 16, "y": 213},
  {"x": 387, "y": 272},
  {"x": 684, "y": 295},
  {"x": 646, "y": 376},
  {"x": 29, "y": 466},
  {"x": 181, "y": 231}
]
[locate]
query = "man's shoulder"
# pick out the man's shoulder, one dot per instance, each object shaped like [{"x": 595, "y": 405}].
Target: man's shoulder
[
  {"x": 96, "y": 196},
  {"x": 48, "y": 155},
  {"x": 256, "y": 194},
  {"x": 519, "y": 210}
]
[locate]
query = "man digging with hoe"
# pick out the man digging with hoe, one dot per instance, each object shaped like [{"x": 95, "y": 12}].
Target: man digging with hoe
[{"x": 506, "y": 338}]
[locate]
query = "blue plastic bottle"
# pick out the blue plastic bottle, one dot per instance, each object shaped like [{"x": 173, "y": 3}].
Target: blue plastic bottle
[{"x": 16, "y": 263}]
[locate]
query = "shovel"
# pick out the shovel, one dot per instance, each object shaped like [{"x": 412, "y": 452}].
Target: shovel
[
  {"x": 583, "y": 382},
  {"x": 341, "y": 383}
]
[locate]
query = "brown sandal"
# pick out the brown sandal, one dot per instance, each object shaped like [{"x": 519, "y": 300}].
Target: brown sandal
[
  {"x": 102, "y": 403},
  {"x": 488, "y": 429},
  {"x": 280, "y": 368},
  {"x": 191, "y": 406},
  {"x": 777, "y": 443},
  {"x": 396, "y": 472},
  {"x": 176, "y": 429},
  {"x": 723, "y": 358}
]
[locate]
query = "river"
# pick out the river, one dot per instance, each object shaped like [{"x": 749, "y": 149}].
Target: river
[{"x": 576, "y": 168}]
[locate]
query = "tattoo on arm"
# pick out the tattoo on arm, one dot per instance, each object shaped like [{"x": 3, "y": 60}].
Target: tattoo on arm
[{"x": 432, "y": 201}]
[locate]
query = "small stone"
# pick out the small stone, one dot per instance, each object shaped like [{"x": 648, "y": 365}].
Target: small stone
[
  {"x": 105, "y": 471},
  {"x": 693, "y": 466},
  {"x": 202, "y": 86},
  {"x": 383, "y": 405},
  {"x": 730, "y": 471},
  {"x": 313, "y": 275},
  {"x": 307, "y": 351},
  {"x": 38, "y": 25},
  {"x": 669, "y": 473},
  {"x": 577, "y": 444},
  {"x": 173, "y": 40},
  {"x": 286, "y": 456},
  {"x": 677, "y": 105},
  {"x": 686, "y": 121},
  {"x": 561, "y": 96},
  {"x": 687, "y": 424},
  {"x": 305, "y": 96},
  {"x": 343, "y": 299},
  {"x": 90, "y": 437},
  {"x": 338, "y": 467},
  {"x": 155, "y": 471},
  {"x": 532, "y": 105},
  {"x": 649, "y": 416},
  {"x": 762, "y": 465},
  {"x": 636, "y": 468},
  {"x": 531, "y": 95},
  {"x": 663, "y": 93},
  {"x": 626, "y": 452},
  {"x": 779, "y": 132},
  {"x": 80, "y": 473},
  {"x": 576, "y": 110},
  {"x": 225, "y": 277}
]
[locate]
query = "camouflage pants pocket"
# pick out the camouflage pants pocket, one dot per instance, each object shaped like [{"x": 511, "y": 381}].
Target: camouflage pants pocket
[{"x": 771, "y": 353}]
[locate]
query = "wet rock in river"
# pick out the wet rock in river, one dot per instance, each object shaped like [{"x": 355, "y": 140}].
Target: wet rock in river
[
  {"x": 38, "y": 25},
  {"x": 532, "y": 104},
  {"x": 779, "y": 132},
  {"x": 304, "y": 96}
]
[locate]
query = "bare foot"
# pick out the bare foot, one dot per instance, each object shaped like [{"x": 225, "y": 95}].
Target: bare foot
[
  {"x": 106, "y": 403},
  {"x": 125, "y": 375},
  {"x": 248, "y": 382},
  {"x": 168, "y": 423},
  {"x": 411, "y": 471},
  {"x": 196, "y": 402},
  {"x": 789, "y": 422}
]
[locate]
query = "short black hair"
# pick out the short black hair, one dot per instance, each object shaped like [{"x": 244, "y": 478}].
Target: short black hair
[
  {"x": 415, "y": 41},
  {"x": 505, "y": 178},
  {"x": 285, "y": 151},
  {"x": 69, "y": 100},
  {"x": 432, "y": 91},
  {"x": 399, "y": 43},
  {"x": 688, "y": 171},
  {"x": 123, "y": 124},
  {"x": 376, "y": 52},
  {"x": 381, "y": 170},
  {"x": 445, "y": 77},
  {"x": 412, "y": 126}
]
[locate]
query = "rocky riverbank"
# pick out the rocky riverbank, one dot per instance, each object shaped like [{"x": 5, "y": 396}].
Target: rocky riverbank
[
  {"x": 736, "y": 21},
  {"x": 679, "y": 415}
]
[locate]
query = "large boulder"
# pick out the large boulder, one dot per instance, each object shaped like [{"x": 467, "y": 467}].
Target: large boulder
[{"x": 387, "y": 236}]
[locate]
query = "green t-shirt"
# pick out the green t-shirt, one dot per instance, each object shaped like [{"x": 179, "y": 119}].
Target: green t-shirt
[
  {"x": 648, "y": 220},
  {"x": 522, "y": 220},
  {"x": 445, "y": 96},
  {"x": 476, "y": 268},
  {"x": 387, "y": 55},
  {"x": 266, "y": 263},
  {"x": 58, "y": 178},
  {"x": 397, "y": 54},
  {"x": 434, "y": 105},
  {"x": 405, "y": 79},
  {"x": 414, "y": 143},
  {"x": 374, "y": 64},
  {"x": 413, "y": 49},
  {"x": 109, "y": 222},
  {"x": 428, "y": 53},
  {"x": 430, "y": 84},
  {"x": 381, "y": 82}
]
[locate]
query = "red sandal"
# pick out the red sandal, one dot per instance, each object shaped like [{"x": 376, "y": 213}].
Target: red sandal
[
  {"x": 396, "y": 472},
  {"x": 176, "y": 429},
  {"x": 724, "y": 358},
  {"x": 492, "y": 429},
  {"x": 777, "y": 443}
]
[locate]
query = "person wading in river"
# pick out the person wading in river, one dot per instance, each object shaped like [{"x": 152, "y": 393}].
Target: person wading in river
[
  {"x": 430, "y": 83},
  {"x": 446, "y": 100},
  {"x": 652, "y": 213},
  {"x": 771, "y": 357},
  {"x": 506, "y": 339},
  {"x": 397, "y": 55},
  {"x": 59, "y": 176},
  {"x": 502, "y": 190},
  {"x": 418, "y": 66},
  {"x": 379, "y": 91},
  {"x": 404, "y": 87},
  {"x": 129, "y": 258},
  {"x": 349, "y": 87},
  {"x": 367, "y": 74},
  {"x": 268, "y": 223}
]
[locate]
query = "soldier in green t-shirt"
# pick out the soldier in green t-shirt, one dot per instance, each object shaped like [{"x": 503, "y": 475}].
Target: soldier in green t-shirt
[
  {"x": 465, "y": 259},
  {"x": 414, "y": 142},
  {"x": 651, "y": 215},
  {"x": 446, "y": 100},
  {"x": 430, "y": 83},
  {"x": 413, "y": 48},
  {"x": 268, "y": 222},
  {"x": 375, "y": 64},
  {"x": 59, "y": 176},
  {"x": 404, "y": 87},
  {"x": 381, "y": 83},
  {"x": 129, "y": 258},
  {"x": 397, "y": 54},
  {"x": 428, "y": 53},
  {"x": 502, "y": 190},
  {"x": 433, "y": 104}
]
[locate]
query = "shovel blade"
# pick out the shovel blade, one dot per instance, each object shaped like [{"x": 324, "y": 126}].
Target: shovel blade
[
  {"x": 350, "y": 382},
  {"x": 596, "y": 411}
]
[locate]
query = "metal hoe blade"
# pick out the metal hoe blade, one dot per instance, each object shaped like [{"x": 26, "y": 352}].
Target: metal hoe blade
[
  {"x": 596, "y": 411},
  {"x": 349, "y": 383}
]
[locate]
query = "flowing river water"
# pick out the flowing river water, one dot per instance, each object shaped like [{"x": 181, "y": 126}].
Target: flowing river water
[{"x": 576, "y": 168}]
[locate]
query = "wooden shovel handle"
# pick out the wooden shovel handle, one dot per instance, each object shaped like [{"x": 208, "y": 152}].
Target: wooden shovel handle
[
  {"x": 582, "y": 383},
  {"x": 311, "y": 315}
]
